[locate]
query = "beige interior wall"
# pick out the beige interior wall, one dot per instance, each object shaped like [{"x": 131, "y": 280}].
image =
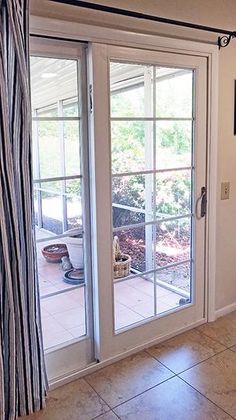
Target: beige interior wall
[{"x": 220, "y": 13}]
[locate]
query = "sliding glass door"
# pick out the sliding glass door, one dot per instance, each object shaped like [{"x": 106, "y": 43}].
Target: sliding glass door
[
  {"x": 153, "y": 134},
  {"x": 128, "y": 202},
  {"x": 61, "y": 201}
]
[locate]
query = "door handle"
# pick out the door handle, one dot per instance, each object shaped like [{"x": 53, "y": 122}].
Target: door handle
[{"x": 203, "y": 207}]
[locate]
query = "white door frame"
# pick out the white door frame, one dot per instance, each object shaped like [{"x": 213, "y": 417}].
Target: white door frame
[{"x": 58, "y": 28}]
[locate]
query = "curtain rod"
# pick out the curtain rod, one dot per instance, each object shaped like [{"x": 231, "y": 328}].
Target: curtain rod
[{"x": 222, "y": 41}]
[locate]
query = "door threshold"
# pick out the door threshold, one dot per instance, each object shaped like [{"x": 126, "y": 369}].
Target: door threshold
[{"x": 97, "y": 365}]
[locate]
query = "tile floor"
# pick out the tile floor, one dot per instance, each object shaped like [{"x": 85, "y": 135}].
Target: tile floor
[
  {"x": 189, "y": 377},
  {"x": 63, "y": 314}
]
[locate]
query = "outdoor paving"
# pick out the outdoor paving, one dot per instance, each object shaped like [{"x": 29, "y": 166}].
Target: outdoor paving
[{"x": 63, "y": 314}]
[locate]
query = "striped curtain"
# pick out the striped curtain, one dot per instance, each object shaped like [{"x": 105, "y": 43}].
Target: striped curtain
[{"x": 23, "y": 380}]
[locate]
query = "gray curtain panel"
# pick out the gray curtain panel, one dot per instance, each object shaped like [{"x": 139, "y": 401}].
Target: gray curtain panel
[{"x": 23, "y": 382}]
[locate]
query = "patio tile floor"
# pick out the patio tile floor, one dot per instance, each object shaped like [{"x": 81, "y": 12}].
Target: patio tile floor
[{"x": 63, "y": 309}]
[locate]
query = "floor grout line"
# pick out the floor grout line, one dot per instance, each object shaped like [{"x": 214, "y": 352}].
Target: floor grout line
[
  {"x": 143, "y": 392},
  {"x": 216, "y": 405},
  {"x": 217, "y": 341},
  {"x": 202, "y": 361},
  {"x": 194, "y": 365},
  {"x": 97, "y": 394},
  {"x": 153, "y": 357}
]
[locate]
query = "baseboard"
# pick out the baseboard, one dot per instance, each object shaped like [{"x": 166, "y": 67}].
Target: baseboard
[
  {"x": 225, "y": 310},
  {"x": 72, "y": 376}
]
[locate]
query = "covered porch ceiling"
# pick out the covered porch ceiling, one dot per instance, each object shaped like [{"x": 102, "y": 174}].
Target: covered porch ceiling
[{"x": 54, "y": 79}]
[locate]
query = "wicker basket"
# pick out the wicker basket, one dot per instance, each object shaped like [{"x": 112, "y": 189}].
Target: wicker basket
[{"x": 121, "y": 262}]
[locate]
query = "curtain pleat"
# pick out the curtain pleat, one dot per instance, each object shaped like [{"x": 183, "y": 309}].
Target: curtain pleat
[{"x": 23, "y": 382}]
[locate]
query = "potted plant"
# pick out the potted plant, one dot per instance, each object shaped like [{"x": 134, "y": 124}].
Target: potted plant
[{"x": 121, "y": 262}]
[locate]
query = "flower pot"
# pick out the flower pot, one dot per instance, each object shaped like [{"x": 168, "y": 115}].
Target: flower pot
[
  {"x": 74, "y": 243},
  {"x": 55, "y": 252},
  {"x": 121, "y": 268}
]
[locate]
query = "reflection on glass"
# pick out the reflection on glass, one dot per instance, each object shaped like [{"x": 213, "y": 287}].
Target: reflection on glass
[
  {"x": 131, "y": 143},
  {"x": 131, "y": 90},
  {"x": 173, "y": 241},
  {"x": 174, "y": 93},
  {"x": 173, "y": 144},
  {"x": 173, "y": 193}
]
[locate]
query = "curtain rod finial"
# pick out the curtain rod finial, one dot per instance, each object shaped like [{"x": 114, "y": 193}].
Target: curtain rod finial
[{"x": 224, "y": 41}]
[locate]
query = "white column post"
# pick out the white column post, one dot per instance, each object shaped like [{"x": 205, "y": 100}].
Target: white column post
[{"x": 148, "y": 165}]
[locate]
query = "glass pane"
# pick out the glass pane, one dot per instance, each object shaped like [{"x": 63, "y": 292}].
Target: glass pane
[
  {"x": 71, "y": 131},
  {"x": 49, "y": 148},
  {"x": 173, "y": 241},
  {"x": 179, "y": 276},
  {"x": 173, "y": 193},
  {"x": 52, "y": 212},
  {"x": 63, "y": 317},
  {"x": 74, "y": 204},
  {"x": 174, "y": 93},
  {"x": 61, "y": 205},
  {"x": 134, "y": 300},
  {"x": 173, "y": 144},
  {"x": 132, "y": 145},
  {"x": 52, "y": 80},
  {"x": 132, "y": 199},
  {"x": 137, "y": 244},
  {"x": 131, "y": 90},
  {"x": 70, "y": 108},
  {"x": 50, "y": 111},
  {"x": 57, "y": 142}
]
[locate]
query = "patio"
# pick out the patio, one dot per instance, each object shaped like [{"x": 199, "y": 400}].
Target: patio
[{"x": 63, "y": 305}]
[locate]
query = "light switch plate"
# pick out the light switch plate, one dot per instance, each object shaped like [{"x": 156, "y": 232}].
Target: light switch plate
[{"x": 225, "y": 189}]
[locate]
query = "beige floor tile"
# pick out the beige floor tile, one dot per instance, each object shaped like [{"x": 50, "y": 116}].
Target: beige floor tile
[
  {"x": 216, "y": 379},
  {"x": 74, "y": 401},
  {"x": 185, "y": 350},
  {"x": 171, "y": 400},
  {"x": 107, "y": 416},
  {"x": 128, "y": 378},
  {"x": 233, "y": 348},
  {"x": 222, "y": 330}
]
